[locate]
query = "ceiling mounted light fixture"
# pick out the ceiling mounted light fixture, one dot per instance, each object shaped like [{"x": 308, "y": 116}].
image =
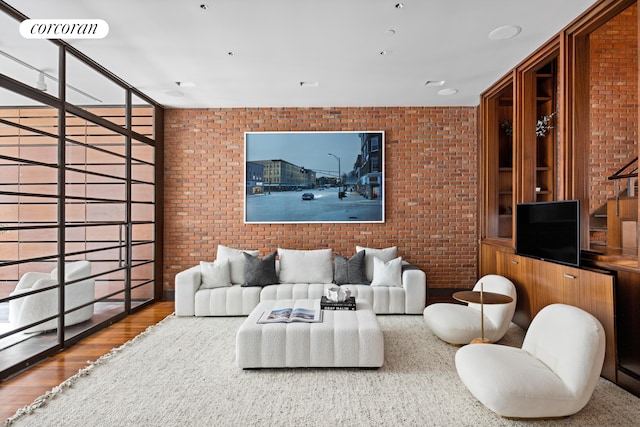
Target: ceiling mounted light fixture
[
  {"x": 204, "y": 6},
  {"x": 40, "y": 83},
  {"x": 448, "y": 91},
  {"x": 399, "y": 6},
  {"x": 186, "y": 84},
  {"x": 434, "y": 83},
  {"x": 505, "y": 32}
]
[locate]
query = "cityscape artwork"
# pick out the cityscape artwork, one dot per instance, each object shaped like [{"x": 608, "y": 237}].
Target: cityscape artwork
[{"x": 307, "y": 177}]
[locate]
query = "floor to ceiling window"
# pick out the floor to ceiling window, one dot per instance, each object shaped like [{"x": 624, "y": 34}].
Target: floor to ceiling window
[{"x": 80, "y": 197}]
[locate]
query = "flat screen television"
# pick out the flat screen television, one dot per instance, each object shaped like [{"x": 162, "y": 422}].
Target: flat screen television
[{"x": 549, "y": 231}]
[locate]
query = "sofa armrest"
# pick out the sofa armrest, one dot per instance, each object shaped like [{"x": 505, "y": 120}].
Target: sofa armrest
[
  {"x": 187, "y": 283},
  {"x": 414, "y": 282}
]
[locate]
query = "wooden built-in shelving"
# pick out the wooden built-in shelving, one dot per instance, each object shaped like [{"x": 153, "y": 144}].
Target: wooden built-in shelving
[{"x": 555, "y": 81}]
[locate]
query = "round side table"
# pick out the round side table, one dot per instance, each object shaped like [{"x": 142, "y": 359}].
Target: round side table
[{"x": 481, "y": 297}]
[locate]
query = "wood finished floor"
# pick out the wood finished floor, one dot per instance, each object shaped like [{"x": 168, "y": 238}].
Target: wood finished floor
[{"x": 25, "y": 387}]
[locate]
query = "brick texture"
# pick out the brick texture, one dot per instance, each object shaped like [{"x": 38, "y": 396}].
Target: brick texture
[
  {"x": 614, "y": 104},
  {"x": 431, "y": 171}
]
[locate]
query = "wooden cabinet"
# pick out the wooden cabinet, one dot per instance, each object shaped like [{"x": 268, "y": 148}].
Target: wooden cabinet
[
  {"x": 537, "y": 136},
  {"x": 519, "y": 143},
  {"x": 546, "y": 111},
  {"x": 627, "y": 326},
  {"x": 549, "y": 100},
  {"x": 498, "y": 154},
  {"x": 540, "y": 283},
  {"x": 593, "y": 292},
  {"x": 520, "y": 271},
  {"x": 505, "y": 162},
  {"x": 488, "y": 256}
]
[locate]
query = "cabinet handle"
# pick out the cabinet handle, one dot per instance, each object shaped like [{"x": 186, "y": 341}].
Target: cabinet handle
[
  {"x": 569, "y": 276},
  {"x": 515, "y": 262}
]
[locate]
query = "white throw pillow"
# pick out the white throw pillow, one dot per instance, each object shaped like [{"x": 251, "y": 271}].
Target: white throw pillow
[
  {"x": 386, "y": 254},
  {"x": 236, "y": 261},
  {"x": 313, "y": 266},
  {"x": 215, "y": 274},
  {"x": 387, "y": 273}
]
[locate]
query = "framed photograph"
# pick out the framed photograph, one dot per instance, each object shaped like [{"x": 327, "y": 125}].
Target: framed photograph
[{"x": 307, "y": 177}]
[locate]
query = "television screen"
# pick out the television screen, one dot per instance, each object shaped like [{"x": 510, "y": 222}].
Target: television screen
[{"x": 549, "y": 231}]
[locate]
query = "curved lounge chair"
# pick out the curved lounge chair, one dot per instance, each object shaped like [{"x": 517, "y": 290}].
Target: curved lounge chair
[
  {"x": 553, "y": 375},
  {"x": 459, "y": 324},
  {"x": 32, "y": 308}
]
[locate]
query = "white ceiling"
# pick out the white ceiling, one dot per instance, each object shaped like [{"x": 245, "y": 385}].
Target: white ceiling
[{"x": 277, "y": 44}]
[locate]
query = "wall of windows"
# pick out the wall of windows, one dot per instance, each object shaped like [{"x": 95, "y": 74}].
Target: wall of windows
[{"x": 80, "y": 198}]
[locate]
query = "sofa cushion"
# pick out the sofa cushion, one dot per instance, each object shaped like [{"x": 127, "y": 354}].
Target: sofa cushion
[
  {"x": 350, "y": 270},
  {"x": 387, "y": 273},
  {"x": 311, "y": 266},
  {"x": 260, "y": 272},
  {"x": 295, "y": 291},
  {"x": 384, "y": 299},
  {"x": 234, "y": 300},
  {"x": 215, "y": 274},
  {"x": 386, "y": 254},
  {"x": 236, "y": 261}
]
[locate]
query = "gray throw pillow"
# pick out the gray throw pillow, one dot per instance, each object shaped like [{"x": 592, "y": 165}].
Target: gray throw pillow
[
  {"x": 350, "y": 270},
  {"x": 260, "y": 272}
]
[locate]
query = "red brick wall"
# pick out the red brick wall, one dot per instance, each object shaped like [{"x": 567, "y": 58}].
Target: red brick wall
[
  {"x": 431, "y": 187},
  {"x": 614, "y": 102}
]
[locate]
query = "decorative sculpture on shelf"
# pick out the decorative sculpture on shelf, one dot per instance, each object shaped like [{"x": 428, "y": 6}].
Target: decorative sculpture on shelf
[{"x": 544, "y": 124}]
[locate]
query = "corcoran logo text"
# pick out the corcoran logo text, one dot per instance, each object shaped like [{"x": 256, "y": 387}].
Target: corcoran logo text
[{"x": 64, "y": 28}]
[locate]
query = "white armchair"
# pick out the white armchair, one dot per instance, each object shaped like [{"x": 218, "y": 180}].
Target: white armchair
[
  {"x": 459, "y": 324},
  {"x": 553, "y": 375},
  {"x": 32, "y": 308}
]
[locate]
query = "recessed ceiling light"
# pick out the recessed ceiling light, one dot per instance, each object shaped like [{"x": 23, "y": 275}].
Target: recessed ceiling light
[
  {"x": 230, "y": 53},
  {"x": 383, "y": 52},
  {"x": 204, "y": 6},
  {"x": 308, "y": 84},
  {"x": 448, "y": 91},
  {"x": 505, "y": 32},
  {"x": 175, "y": 93},
  {"x": 433, "y": 83},
  {"x": 399, "y": 6},
  {"x": 390, "y": 32}
]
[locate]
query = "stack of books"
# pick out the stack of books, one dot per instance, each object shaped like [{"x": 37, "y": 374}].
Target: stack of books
[{"x": 348, "y": 304}]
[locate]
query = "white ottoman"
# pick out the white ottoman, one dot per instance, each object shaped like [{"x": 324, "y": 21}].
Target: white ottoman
[{"x": 343, "y": 339}]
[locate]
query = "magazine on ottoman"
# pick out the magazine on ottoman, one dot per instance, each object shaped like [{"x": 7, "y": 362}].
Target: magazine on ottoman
[{"x": 292, "y": 314}]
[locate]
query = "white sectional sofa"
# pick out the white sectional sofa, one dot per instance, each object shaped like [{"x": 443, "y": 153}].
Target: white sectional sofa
[{"x": 382, "y": 279}]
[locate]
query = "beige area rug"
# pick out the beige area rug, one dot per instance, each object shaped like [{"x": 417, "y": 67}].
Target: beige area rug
[{"x": 182, "y": 372}]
